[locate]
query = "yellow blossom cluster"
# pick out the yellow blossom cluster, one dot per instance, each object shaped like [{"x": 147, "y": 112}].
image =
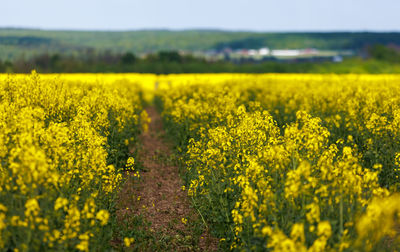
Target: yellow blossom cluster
[
  {"x": 290, "y": 162},
  {"x": 63, "y": 142}
]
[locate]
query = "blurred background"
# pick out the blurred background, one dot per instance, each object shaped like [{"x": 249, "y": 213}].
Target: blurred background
[{"x": 178, "y": 36}]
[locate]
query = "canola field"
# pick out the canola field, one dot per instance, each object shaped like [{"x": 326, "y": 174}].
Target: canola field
[
  {"x": 63, "y": 143},
  {"x": 291, "y": 162},
  {"x": 277, "y": 162}
]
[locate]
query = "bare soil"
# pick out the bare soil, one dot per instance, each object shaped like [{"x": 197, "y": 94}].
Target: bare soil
[{"x": 158, "y": 196}]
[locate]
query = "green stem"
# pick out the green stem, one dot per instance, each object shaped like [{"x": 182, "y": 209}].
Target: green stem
[
  {"x": 341, "y": 214},
  {"x": 202, "y": 218}
]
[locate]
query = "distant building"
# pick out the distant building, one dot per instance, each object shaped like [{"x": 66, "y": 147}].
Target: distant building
[
  {"x": 252, "y": 52},
  {"x": 264, "y": 51},
  {"x": 309, "y": 51},
  {"x": 285, "y": 53},
  {"x": 244, "y": 52}
]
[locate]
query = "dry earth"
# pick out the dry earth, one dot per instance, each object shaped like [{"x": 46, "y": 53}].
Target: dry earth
[{"x": 158, "y": 196}]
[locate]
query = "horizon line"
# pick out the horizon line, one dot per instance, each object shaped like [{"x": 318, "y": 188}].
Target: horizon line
[{"x": 197, "y": 29}]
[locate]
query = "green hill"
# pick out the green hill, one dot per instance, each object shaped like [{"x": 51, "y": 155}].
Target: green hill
[{"x": 16, "y": 43}]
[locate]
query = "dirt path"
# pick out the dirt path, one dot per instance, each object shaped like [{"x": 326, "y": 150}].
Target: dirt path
[{"x": 160, "y": 199}]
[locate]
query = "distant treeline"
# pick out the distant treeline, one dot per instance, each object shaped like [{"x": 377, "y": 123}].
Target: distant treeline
[
  {"x": 15, "y": 43},
  {"x": 379, "y": 59}
]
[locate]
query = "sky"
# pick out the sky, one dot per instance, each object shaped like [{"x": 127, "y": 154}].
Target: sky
[{"x": 253, "y": 15}]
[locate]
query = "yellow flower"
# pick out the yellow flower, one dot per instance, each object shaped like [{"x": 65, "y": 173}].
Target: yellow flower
[
  {"x": 128, "y": 241},
  {"x": 102, "y": 216},
  {"x": 324, "y": 229},
  {"x": 3, "y": 208},
  {"x": 60, "y": 203},
  {"x": 297, "y": 232}
]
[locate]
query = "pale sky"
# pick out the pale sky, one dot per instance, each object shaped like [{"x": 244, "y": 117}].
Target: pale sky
[{"x": 255, "y": 15}]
